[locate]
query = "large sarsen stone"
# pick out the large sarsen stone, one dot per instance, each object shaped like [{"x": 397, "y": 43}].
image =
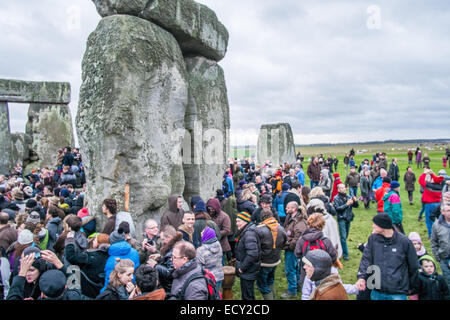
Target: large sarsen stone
[{"x": 276, "y": 143}]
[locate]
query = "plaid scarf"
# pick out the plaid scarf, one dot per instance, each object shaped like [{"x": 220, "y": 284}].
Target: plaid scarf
[{"x": 272, "y": 224}]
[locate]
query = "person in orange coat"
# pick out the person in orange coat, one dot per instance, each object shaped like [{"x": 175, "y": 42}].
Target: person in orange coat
[{"x": 379, "y": 194}]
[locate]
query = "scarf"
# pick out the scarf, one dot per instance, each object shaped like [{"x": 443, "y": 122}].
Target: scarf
[
  {"x": 272, "y": 224},
  {"x": 239, "y": 233}
]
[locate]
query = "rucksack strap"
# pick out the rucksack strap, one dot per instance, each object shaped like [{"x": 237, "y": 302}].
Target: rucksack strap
[{"x": 182, "y": 292}]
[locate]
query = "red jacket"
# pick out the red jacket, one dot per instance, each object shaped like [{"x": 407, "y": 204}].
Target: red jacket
[
  {"x": 379, "y": 194},
  {"x": 428, "y": 195}
]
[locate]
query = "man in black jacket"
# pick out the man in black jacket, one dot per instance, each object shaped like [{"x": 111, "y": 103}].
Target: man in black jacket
[
  {"x": 344, "y": 205},
  {"x": 393, "y": 258},
  {"x": 248, "y": 255}
]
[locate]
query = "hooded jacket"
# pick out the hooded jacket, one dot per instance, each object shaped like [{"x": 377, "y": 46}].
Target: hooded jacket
[
  {"x": 248, "y": 253},
  {"x": 173, "y": 216},
  {"x": 223, "y": 222},
  {"x": 55, "y": 228},
  {"x": 429, "y": 195},
  {"x": 379, "y": 195},
  {"x": 440, "y": 239},
  {"x": 393, "y": 207},
  {"x": 432, "y": 286},
  {"x": 325, "y": 181},
  {"x": 294, "y": 227},
  {"x": 209, "y": 255},
  {"x": 122, "y": 250}
]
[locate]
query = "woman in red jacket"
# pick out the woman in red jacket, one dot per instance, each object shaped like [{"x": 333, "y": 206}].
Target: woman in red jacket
[{"x": 432, "y": 194}]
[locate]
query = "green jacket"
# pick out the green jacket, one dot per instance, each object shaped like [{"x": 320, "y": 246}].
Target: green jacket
[{"x": 393, "y": 206}]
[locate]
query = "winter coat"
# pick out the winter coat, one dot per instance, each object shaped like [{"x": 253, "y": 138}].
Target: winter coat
[
  {"x": 209, "y": 255},
  {"x": 247, "y": 206},
  {"x": 429, "y": 195},
  {"x": 352, "y": 179},
  {"x": 229, "y": 206},
  {"x": 377, "y": 183},
  {"x": 379, "y": 195},
  {"x": 278, "y": 204},
  {"x": 440, "y": 239},
  {"x": 433, "y": 286},
  {"x": 68, "y": 178},
  {"x": 289, "y": 180},
  {"x": 55, "y": 228},
  {"x": 270, "y": 256},
  {"x": 330, "y": 288},
  {"x": 122, "y": 250},
  {"x": 173, "y": 216},
  {"x": 197, "y": 288},
  {"x": 309, "y": 286},
  {"x": 312, "y": 234},
  {"x": 223, "y": 222},
  {"x": 409, "y": 179},
  {"x": 330, "y": 231},
  {"x": 301, "y": 176},
  {"x": 294, "y": 227},
  {"x": 364, "y": 184},
  {"x": 203, "y": 220},
  {"x": 248, "y": 253},
  {"x": 313, "y": 171},
  {"x": 158, "y": 294},
  {"x": 113, "y": 293},
  {"x": 397, "y": 260},
  {"x": 7, "y": 236},
  {"x": 21, "y": 289},
  {"x": 92, "y": 264},
  {"x": 393, "y": 206},
  {"x": 343, "y": 210},
  {"x": 325, "y": 182},
  {"x": 394, "y": 172}
]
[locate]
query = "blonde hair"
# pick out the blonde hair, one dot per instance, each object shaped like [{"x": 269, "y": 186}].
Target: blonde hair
[
  {"x": 316, "y": 192},
  {"x": 246, "y": 195},
  {"x": 121, "y": 267}
]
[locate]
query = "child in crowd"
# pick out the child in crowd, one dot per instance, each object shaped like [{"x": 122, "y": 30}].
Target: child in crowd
[
  {"x": 431, "y": 286},
  {"x": 418, "y": 245}
]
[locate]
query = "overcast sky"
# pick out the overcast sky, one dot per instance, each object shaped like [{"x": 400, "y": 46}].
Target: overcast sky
[{"x": 336, "y": 70}]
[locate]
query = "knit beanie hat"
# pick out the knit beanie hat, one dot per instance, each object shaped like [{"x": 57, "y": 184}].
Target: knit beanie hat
[
  {"x": 64, "y": 192},
  {"x": 383, "y": 221},
  {"x": 25, "y": 237},
  {"x": 242, "y": 183},
  {"x": 321, "y": 261},
  {"x": 83, "y": 213},
  {"x": 415, "y": 236},
  {"x": 31, "y": 203},
  {"x": 244, "y": 216},
  {"x": 208, "y": 233},
  {"x": 194, "y": 200},
  {"x": 53, "y": 283},
  {"x": 200, "y": 206},
  {"x": 285, "y": 187},
  {"x": 34, "y": 217},
  {"x": 115, "y": 236},
  {"x": 394, "y": 184}
]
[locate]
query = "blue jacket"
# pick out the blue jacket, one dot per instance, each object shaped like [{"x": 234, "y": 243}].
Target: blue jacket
[
  {"x": 230, "y": 185},
  {"x": 301, "y": 176},
  {"x": 122, "y": 250},
  {"x": 377, "y": 183},
  {"x": 278, "y": 204}
]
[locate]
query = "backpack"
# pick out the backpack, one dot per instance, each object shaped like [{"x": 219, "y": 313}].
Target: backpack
[
  {"x": 313, "y": 245},
  {"x": 213, "y": 292}
]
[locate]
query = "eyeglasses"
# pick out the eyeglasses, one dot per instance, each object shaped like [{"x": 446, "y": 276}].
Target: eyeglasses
[{"x": 175, "y": 257}]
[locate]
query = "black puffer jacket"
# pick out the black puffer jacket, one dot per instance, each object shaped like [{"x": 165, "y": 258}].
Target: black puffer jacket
[
  {"x": 248, "y": 253},
  {"x": 165, "y": 270},
  {"x": 270, "y": 256},
  {"x": 432, "y": 287},
  {"x": 343, "y": 210},
  {"x": 397, "y": 260}
]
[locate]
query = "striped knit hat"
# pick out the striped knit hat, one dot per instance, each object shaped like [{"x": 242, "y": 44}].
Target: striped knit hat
[{"x": 244, "y": 216}]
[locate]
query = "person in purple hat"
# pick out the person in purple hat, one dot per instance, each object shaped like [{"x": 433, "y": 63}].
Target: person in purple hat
[{"x": 209, "y": 255}]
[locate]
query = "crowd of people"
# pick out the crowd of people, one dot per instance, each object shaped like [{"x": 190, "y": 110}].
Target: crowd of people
[{"x": 261, "y": 212}]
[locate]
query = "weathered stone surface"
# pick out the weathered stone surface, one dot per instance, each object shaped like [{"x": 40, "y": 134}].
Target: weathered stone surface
[
  {"x": 34, "y": 91},
  {"x": 21, "y": 148},
  {"x": 6, "y": 161},
  {"x": 50, "y": 128},
  {"x": 130, "y": 119},
  {"x": 276, "y": 143},
  {"x": 207, "y": 122},
  {"x": 195, "y": 26}
]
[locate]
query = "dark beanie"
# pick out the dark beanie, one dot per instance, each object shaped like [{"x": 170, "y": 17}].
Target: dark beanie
[
  {"x": 117, "y": 236},
  {"x": 285, "y": 187},
  {"x": 52, "y": 283},
  {"x": 31, "y": 203},
  {"x": 194, "y": 200},
  {"x": 383, "y": 221},
  {"x": 200, "y": 206}
]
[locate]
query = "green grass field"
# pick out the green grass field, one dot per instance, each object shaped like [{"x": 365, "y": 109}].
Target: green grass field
[{"x": 361, "y": 227}]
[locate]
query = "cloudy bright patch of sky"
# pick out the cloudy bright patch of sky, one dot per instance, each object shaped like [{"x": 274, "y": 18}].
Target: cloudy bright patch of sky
[{"x": 335, "y": 70}]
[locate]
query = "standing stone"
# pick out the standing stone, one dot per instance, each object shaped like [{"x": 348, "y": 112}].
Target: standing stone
[
  {"x": 6, "y": 161},
  {"x": 50, "y": 128},
  {"x": 21, "y": 148},
  {"x": 276, "y": 143},
  {"x": 130, "y": 119},
  {"x": 194, "y": 25},
  {"x": 207, "y": 122}
]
